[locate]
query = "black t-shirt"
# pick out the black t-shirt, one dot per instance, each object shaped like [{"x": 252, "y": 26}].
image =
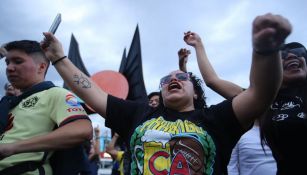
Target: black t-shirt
[
  {"x": 290, "y": 132},
  {"x": 164, "y": 141}
]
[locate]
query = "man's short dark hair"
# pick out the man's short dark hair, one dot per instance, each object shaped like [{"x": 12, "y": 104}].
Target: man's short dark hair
[{"x": 29, "y": 47}]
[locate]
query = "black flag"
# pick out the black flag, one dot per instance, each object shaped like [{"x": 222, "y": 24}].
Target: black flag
[
  {"x": 123, "y": 62},
  {"x": 131, "y": 68}
]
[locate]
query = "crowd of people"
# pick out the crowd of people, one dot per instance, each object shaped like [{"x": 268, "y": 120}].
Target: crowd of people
[{"x": 259, "y": 129}]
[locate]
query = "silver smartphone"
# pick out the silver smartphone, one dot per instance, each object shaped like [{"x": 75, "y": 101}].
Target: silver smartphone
[
  {"x": 53, "y": 28},
  {"x": 55, "y": 23}
]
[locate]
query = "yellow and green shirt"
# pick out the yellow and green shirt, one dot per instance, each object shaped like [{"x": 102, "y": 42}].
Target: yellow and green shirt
[{"x": 36, "y": 115}]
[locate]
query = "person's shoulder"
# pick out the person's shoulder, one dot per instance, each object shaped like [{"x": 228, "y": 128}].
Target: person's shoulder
[
  {"x": 60, "y": 90},
  {"x": 223, "y": 104},
  {"x": 57, "y": 92}
]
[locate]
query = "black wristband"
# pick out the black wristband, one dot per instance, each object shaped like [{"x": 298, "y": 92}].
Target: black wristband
[
  {"x": 267, "y": 52},
  {"x": 56, "y": 61}
]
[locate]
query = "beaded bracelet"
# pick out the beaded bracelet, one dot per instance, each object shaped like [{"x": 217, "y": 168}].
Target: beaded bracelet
[{"x": 56, "y": 61}]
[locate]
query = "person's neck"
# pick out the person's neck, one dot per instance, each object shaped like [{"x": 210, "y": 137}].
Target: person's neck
[
  {"x": 292, "y": 85},
  {"x": 186, "y": 109},
  {"x": 182, "y": 108},
  {"x": 33, "y": 84}
]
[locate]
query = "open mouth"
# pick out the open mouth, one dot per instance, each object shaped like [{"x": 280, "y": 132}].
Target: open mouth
[
  {"x": 174, "y": 85},
  {"x": 293, "y": 64}
]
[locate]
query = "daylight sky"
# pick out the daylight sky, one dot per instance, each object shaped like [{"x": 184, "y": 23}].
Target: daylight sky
[{"x": 103, "y": 28}]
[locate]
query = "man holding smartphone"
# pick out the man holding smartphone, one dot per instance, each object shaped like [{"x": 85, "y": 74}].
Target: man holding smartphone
[{"x": 30, "y": 140}]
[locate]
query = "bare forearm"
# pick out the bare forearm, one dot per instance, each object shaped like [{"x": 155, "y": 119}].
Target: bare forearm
[
  {"x": 265, "y": 80},
  {"x": 224, "y": 88},
  {"x": 204, "y": 65},
  {"x": 64, "y": 137},
  {"x": 83, "y": 86},
  {"x": 266, "y": 73},
  {"x": 183, "y": 67},
  {"x": 114, "y": 139}
]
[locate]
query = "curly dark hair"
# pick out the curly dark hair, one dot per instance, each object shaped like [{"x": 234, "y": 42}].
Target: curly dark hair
[{"x": 200, "y": 102}]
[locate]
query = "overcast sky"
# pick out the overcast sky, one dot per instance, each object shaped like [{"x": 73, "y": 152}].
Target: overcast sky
[{"x": 104, "y": 28}]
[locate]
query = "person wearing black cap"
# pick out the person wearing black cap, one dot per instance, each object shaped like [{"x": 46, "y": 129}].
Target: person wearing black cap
[{"x": 284, "y": 126}]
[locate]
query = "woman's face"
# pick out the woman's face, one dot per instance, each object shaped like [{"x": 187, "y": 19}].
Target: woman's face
[
  {"x": 294, "y": 66},
  {"x": 177, "y": 90}
]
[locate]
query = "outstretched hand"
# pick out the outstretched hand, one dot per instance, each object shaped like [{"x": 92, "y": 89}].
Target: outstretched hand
[
  {"x": 269, "y": 33},
  {"x": 52, "y": 47},
  {"x": 183, "y": 53}
]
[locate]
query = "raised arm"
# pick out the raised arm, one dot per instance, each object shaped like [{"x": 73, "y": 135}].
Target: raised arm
[
  {"x": 111, "y": 146},
  {"x": 268, "y": 34},
  {"x": 95, "y": 150},
  {"x": 183, "y": 55},
  {"x": 225, "y": 88},
  {"x": 79, "y": 83}
]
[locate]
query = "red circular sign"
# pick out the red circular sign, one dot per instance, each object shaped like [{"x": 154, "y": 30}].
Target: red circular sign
[{"x": 112, "y": 82}]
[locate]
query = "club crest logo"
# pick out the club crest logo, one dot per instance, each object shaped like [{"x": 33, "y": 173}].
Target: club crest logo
[{"x": 30, "y": 102}]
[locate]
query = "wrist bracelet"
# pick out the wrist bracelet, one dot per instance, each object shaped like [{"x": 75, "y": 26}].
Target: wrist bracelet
[
  {"x": 267, "y": 52},
  {"x": 53, "y": 63}
]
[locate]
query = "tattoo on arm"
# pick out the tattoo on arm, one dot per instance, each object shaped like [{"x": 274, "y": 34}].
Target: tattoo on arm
[{"x": 83, "y": 81}]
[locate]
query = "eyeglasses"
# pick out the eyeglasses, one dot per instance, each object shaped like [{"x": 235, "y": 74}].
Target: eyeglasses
[
  {"x": 179, "y": 76},
  {"x": 299, "y": 52}
]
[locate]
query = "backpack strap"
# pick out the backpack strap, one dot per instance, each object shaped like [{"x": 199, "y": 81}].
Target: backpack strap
[
  {"x": 26, "y": 167},
  {"x": 9, "y": 102},
  {"x": 21, "y": 168}
]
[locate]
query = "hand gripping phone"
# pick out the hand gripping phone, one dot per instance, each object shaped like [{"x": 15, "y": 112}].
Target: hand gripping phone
[{"x": 53, "y": 28}]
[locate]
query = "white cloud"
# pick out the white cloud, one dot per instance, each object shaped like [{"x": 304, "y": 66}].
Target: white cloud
[{"x": 227, "y": 28}]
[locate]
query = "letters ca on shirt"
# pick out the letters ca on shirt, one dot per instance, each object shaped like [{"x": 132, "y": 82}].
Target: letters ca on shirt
[{"x": 171, "y": 147}]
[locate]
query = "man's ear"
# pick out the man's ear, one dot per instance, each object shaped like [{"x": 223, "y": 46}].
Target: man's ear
[{"x": 42, "y": 67}]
